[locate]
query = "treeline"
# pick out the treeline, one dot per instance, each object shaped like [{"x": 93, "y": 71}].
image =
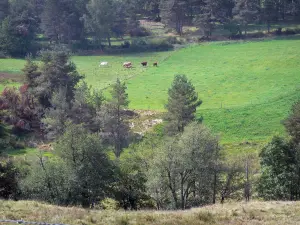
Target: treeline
[
  {"x": 97, "y": 161},
  {"x": 85, "y": 24}
]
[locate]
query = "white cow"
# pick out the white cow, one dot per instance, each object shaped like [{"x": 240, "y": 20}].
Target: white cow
[{"x": 103, "y": 64}]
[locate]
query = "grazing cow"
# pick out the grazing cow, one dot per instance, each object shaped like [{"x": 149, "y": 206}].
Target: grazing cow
[
  {"x": 127, "y": 65},
  {"x": 155, "y": 64},
  {"x": 144, "y": 63},
  {"x": 103, "y": 64}
]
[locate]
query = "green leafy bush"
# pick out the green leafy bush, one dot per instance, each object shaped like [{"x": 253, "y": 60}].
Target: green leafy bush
[{"x": 109, "y": 204}]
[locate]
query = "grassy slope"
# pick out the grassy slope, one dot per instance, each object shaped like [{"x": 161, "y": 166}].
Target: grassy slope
[
  {"x": 254, "y": 83},
  {"x": 89, "y": 66},
  {"x": 230, "y": 213},
  {"x": 246, "y": 88}
]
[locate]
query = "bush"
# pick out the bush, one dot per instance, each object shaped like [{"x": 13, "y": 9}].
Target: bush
[
  {"x": 160, "y": 45},
  {"x": 289, "y": 32},
  {"x": 8, "y": 179},
  {"x": 126, "y": 44},
  {"x": 174, "y": 40},
  {"x": 278, "y": 31},
  {"x": 256, "y": 35},
  {"x": 139, "y": 32},
  {"x": 109, "y": 204},
  {"x": 2, "y": 55},
  {"x": 233, "y": 28}
]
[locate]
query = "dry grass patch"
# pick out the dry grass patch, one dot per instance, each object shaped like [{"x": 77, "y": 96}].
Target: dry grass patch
[{"x": 231, "y": 213}]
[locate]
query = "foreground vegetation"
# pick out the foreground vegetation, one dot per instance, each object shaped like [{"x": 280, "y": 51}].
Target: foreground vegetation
[{"x": 255, "y": 212}]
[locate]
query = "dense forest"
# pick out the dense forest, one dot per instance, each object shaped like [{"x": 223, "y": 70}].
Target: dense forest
[
  {"x": 29, "y": 26},
  {"x": 96, "y": 159}
]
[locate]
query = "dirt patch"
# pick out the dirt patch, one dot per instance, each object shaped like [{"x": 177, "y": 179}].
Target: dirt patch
[
  {"x": 145, "y": 120},
  {"x": 45, "y": 147},
  {"x": 11, "y": 77}
]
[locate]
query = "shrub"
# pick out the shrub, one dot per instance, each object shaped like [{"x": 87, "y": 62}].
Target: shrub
[
  {"x": 278, "y": 31},
  {"x": 8, "y": 179},
  {"x": 126, "y": 44},
  {"x": 173, "y": 40},
  {"x": 139, "y": 32},
  {"x": 109, "y": 204},
  {"x": 256, "y": 35},
  {"x": 289, "y": 32},
  {"x": 2, "y": 55},
  {"x": 233, "y": 28},
  {"x": 160, "y": 45}
]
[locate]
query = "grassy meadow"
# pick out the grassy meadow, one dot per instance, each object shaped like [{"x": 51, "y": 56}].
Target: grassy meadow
[
  {"x": 230, "y": 213},
  {"x": 247, "y": 88}
]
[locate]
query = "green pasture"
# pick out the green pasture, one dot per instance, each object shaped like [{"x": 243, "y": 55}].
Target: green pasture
[
  {"x": 99, "y": 77},
  {"x": 247, "y": 88}
]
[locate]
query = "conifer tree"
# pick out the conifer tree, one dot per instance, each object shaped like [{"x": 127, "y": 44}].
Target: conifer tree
[
  {"x": 114, "y": 118},
  {"x": 182, "y": 104}
]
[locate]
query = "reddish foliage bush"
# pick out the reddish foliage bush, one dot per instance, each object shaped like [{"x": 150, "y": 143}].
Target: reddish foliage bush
[{"x": 23, "y": 89}]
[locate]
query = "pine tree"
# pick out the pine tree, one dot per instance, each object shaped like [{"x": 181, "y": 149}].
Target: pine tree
[
  {"x": 56, "y": 117},
  {"x": 114, "y": 119},
  {"x": 182, "y": 104},
  {"x": 61, "y": 20},
  {"x": 56, "y": 71},
  {"x": 31, "y": 73}
]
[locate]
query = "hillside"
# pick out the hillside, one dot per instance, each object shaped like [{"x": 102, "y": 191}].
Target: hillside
[
  {"x": 247, "y": 88},
  {"x": 231, "y": 213}
]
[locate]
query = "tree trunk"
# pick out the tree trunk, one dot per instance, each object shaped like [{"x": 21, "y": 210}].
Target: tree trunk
[
  {"x": 215, "y": 187},
  {"x": 109, "y": 41},
  {"x": 172, "y": 188},
  {"x": 182, "y": 192}
]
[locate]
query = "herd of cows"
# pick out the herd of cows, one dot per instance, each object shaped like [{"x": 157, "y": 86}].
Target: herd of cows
[{"x": 128, "y": 64}]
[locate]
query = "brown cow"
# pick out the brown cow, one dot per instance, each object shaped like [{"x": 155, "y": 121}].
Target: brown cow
[
  {"x": 144, "y": 63},
  {"x": 155, "y": 64}
]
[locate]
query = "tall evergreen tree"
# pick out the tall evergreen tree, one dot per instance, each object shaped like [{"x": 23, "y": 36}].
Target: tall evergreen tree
[
  {"x": 114, "y": 118},
  {"x": 61, "y": 20},
  {"x": 57, "y": 116},
  {"x": 56, "y": 71},
  {"x": 182, "y": 104}
]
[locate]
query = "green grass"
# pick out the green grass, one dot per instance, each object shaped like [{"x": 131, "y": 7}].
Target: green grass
[
  {"x": 247, "y": 88},
  {"x": 101, "y": 77},
  {"x": 11, "y": 65}
]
